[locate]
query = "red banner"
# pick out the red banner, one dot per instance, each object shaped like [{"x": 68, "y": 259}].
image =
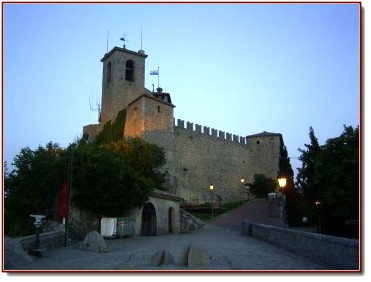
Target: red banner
[{"x": 63, "y": 200}]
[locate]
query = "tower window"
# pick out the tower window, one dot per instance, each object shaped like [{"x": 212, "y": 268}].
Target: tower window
[
  {"x": 129, "y": 71},
  {"x": 109, "y": 72}
]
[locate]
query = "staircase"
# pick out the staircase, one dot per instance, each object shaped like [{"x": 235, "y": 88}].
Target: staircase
[{"x": 189, "y": 222}]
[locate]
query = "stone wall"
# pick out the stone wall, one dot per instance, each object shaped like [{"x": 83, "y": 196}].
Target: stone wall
[
  {"x": 203, "y": 156},
  {"x": 48, "y": 240},
  {"x": 81, "y": 223},
  {"x": 341, "y": 253}
]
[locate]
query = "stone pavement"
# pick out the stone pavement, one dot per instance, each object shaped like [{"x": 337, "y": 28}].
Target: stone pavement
[
  {"x": 227, "y": 248},
  {"x": 256, "y": 210}
]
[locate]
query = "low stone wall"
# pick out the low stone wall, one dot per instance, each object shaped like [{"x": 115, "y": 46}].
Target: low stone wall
[
  {"x": 188, "y": 222},
  {"x": 341, "y": 253},
  {"x": 47, "y": 241}
]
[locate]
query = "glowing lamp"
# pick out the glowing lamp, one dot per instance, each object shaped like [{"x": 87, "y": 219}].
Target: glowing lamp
[{"x": 282, "y": 182}]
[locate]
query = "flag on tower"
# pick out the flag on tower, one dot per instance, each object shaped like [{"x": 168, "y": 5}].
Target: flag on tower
[{"x": 154, "y": 72}]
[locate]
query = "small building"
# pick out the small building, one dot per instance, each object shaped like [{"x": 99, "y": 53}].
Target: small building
[{"x": 159, "y": 216}]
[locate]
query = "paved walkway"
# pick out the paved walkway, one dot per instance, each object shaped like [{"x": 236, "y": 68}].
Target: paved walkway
[
  {"x": 256, "y": 211},
  {"x": 227, "y": 248}
]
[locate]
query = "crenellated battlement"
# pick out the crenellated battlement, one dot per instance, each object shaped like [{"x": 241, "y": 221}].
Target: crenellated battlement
[{"x": 180, "y": 124}]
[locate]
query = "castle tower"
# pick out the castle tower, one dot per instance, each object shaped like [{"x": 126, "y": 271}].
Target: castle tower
[
  {"x": 122, "y": 82},
  {"x": 151, "y": 117}
]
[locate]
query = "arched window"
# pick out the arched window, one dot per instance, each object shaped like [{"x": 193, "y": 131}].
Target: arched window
[
  {"x": 109, "y": 72},
  {"x": 129, "y": 71}
]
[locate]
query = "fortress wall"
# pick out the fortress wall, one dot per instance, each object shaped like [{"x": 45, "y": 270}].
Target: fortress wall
[
  {"x": 202, "y": 156},
  {"x": 265, "y": 154},
  {"x": 205, "y": 157},
  {"x": 207, "y": 132},
  {"x": 197, "y": 156},
  {"x": 92, "y": 130}
]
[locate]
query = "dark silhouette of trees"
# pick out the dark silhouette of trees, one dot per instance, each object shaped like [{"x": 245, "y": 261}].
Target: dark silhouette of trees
[
  {"x": 263, "y": 185},
  {"x": 329, "y": 180},
  {"x": 109, "y": 175}
]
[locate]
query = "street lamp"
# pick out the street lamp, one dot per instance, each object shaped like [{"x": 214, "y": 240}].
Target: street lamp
[
  {"x": 318, "y": 204},
  {"x": 211, "y": 188},
  {"x": 243, "y": 185},
  {"x": 282, "y": 184}
]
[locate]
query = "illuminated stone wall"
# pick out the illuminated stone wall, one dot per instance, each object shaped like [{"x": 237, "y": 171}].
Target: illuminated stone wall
[{"x": 203, "y": 156}]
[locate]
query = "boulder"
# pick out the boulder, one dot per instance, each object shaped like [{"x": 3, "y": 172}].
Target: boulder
[
  {"x": 162, "y": 257},
  {"x": 184, "y": 256},
  {"x": 14, "y": 254},
  {"x": 94, "y": 242},
  {"x": 194, "y": 257},
  {"x": 198, "y": 258}
]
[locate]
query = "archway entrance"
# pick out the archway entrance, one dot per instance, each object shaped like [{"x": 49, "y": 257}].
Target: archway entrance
[
  {"x": 170, "y": 219},
  {"x": 149, "y": 220}
]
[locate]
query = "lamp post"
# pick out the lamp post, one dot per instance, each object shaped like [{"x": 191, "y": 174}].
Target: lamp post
[
  {"x": 211, "y": 188},
  {"x": 243, "y": 186},
  {"x": 318, "y": 204},
  {"x": 69, "y": 188},
  {"x": 282, "y": 185}
]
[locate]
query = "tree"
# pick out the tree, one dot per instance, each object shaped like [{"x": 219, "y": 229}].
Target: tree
[
  {"x": 110, "y": 175},
  {"x": 263, "y": 185},
  {"x": 113, "y": 174},
  {"x": 32, "y": 187},
  {"x": 104, "y": 183},
  {"x": 305, "y": 177},
  {"x": 293, "y": 200},
  {"x": 6, "y": 180},
  {"x": 336, "y": 172},
  {"x": 112, "y": 132},
  {"x": 145, "y": 158}
]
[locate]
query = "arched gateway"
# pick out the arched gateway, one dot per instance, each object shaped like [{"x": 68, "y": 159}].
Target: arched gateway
[{"x": 148, "y": 220}]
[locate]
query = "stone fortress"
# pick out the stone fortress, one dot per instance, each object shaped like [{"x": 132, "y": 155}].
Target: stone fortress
[{"x": 196, "y": 156}]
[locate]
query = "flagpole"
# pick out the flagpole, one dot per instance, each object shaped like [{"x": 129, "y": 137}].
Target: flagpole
[{"x": 158, "y": 77}]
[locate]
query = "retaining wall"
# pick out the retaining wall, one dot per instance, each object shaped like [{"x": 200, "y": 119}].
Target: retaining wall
[
  {"x": 47, "y": 241},
  {"x": 341, "y": 253}
]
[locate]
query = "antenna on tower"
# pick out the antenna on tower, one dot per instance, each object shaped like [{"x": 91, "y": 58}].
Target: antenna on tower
[
  {"x": 107, "y": 40},
  {"x": 124, "y": 39},
  {"x": 141, "y": 38},
  {"x": 96, "y": 107}
]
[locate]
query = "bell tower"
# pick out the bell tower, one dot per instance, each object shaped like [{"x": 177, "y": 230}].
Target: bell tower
[{"x": 122, "y": 81}]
